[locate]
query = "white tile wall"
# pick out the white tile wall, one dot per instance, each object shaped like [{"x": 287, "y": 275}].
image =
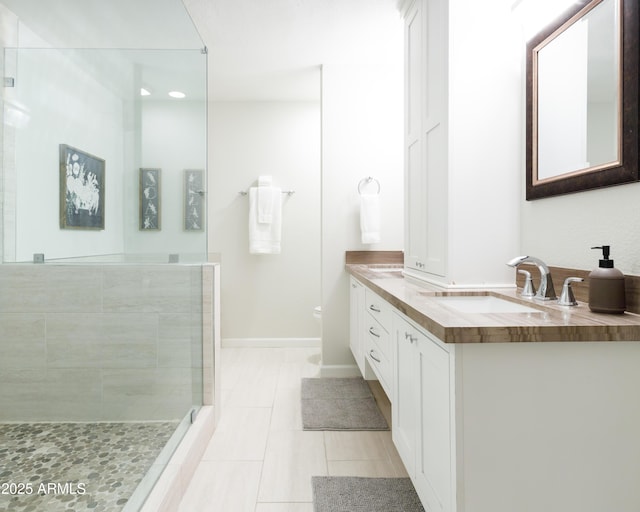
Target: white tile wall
[{"x": 100, "y": 342}]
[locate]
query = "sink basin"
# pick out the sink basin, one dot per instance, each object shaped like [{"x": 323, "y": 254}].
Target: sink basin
[{"x": 483, "y": 304}]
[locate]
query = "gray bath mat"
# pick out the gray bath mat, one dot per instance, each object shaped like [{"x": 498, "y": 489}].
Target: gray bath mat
[
  {"x": 357, "y": 494},
  {"x": 340, "y": 404}
]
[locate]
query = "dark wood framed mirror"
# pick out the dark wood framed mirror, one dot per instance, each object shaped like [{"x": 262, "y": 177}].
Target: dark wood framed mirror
[{"x": 582, "y": 100}]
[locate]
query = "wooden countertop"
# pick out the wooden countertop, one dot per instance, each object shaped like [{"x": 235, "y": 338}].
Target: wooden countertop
[{"x": 550, "y": 322}]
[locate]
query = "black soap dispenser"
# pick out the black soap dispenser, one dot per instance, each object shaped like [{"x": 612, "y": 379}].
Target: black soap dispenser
[{"x": 606, "y": 286}]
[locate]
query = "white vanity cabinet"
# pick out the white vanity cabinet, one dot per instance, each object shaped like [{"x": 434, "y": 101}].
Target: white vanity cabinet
[
  {"x": 422, "y": 412},
  {"x": 426, "y": 138},
  {"x": 504, "y": 426},
  {"x": 356, "y": 322}
]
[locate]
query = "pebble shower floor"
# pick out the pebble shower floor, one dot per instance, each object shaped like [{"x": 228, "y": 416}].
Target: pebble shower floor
[{"x": 52, "y": 467}]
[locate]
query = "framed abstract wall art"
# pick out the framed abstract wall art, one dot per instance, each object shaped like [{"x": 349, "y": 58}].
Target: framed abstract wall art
[
  {"x": 194, "y": 200},
  {"x": 81, "y": 189},
  {"x": 149, "y": 218}
]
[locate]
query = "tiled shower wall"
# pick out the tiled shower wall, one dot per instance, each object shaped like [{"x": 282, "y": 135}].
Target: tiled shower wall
[{"x": 100, "y": 342}]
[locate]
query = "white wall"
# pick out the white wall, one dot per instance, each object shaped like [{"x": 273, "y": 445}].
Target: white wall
[
  {"x": 266, "y": 296},
  {"x": 173, "y": 139},
  {"x": 561, "y": 230},
  {"x": 485, "y": 129},
  {"x": 362, "y": 135}
]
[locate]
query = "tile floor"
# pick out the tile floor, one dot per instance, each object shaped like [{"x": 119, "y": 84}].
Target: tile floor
[{"x": 259, "y": 458}]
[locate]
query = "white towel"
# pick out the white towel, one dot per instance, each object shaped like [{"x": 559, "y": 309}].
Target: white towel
[
  {"x": 266, "y": 199},
  {"x": 370, "y": 218},
  {"x": 264, "y": 238}
]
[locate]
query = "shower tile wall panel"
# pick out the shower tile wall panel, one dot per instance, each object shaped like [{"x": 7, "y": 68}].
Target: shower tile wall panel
[
  {"x": 30, "y": 330},
  {"x": 99, "y": 342},
  {"x": 49, "y": 289},
  {"x": 138, "y": 290}
]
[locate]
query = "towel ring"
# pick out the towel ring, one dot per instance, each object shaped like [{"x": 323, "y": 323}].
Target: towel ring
[{"x": 366, "y": 181}]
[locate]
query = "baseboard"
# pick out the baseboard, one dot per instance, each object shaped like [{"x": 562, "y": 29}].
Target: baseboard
[
  {"x": 339, "y": 370},
  {"x": 271, "y": 342}
]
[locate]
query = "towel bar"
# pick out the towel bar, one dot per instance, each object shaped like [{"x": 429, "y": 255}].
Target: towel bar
[{"x": 288, "y": 192}]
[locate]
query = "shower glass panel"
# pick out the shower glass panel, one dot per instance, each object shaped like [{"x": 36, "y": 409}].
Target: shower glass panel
[
  {"x": 108, "y": 331},
  {"x": 82, "y": 141}
]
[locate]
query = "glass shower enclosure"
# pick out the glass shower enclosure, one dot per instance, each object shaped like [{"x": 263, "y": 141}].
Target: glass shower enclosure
[{"x": 104, "y": 247}]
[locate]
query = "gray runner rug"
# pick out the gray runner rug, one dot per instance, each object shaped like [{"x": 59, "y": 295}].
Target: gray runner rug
[
  {"x": 340, "y": 404},
  {"x": 357, "y": 494}
]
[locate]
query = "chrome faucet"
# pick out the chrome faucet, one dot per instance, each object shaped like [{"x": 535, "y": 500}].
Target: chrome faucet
[
  {"x": 566, "y": 296},
  {"x": 545, "y": 290},
  {"x": 528, "y": 290}
]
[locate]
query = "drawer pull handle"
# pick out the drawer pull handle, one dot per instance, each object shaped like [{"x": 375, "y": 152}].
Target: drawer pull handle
[
  {"x": 373, "y": 332},
  {"x": 371, "y": 352},
  {"x": 373, "y": 307}
]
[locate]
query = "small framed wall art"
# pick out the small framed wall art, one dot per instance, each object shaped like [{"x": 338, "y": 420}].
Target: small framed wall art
[
  {"x": 194, "y": 200},
  {"x": 81, "y": 189},
  {"x": 149, "y": 218}
]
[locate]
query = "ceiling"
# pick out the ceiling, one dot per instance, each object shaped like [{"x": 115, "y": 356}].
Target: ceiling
[
  {"x": 107, "y": 23},
  {"x": 271, "y": 49},
  {"x": 258, "y": 50}
]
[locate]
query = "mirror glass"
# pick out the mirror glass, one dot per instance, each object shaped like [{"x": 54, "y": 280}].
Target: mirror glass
[
  {"x": 578, "y": 95},
  {"x": 582, "y": 99}
]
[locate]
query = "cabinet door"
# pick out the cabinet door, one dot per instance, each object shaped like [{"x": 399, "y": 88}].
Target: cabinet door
[
  {"x": 404, "y": 403},
  {"x": 434, "y": 453},
  {"x": 426, "y": 138},
  {"x": 435, "y": 135},
  {"x": 415, "y": 180},
  {"x": 356, "y": 322}
]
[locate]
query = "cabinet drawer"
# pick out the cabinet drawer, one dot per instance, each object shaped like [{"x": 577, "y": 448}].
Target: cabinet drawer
[
  {"x": 379, "y": 337},
  {"x": 379, "y": 309},
  {"x": 380, "y": 364}
]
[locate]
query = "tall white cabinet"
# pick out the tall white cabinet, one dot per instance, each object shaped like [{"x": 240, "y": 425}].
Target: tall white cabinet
[
  {"x": 426, "y": 138},
  {"x": 463, "y": 150}
]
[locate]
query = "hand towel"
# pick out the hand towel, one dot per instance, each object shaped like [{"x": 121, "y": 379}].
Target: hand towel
[
  {"x": 266, "y": 197},
  {"x": 370, "y": 218},
  {"x": 264, "y": 238}
]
